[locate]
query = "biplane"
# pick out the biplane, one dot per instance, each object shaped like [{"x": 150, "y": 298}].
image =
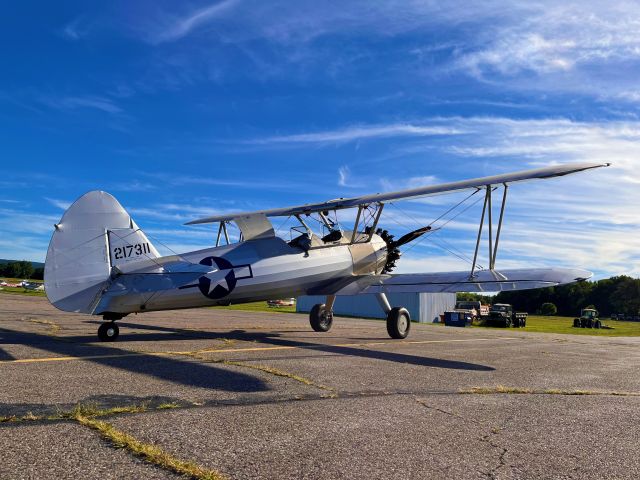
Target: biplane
[{"x": 100, "y": 262}]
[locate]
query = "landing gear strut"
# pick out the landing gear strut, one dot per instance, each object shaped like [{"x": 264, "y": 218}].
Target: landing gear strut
[{"x": 398, "y": 318}]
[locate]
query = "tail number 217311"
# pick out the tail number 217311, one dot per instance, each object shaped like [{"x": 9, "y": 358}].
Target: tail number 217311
[{"x": 127, "y": 251}]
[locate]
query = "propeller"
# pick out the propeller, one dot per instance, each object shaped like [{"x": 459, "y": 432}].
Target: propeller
[{"x": 393, "y": 246}]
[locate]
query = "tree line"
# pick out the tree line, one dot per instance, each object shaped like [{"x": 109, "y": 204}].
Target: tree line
[
  {"x": 612, "y": 295},
  {"x": 21, "y": 269}
]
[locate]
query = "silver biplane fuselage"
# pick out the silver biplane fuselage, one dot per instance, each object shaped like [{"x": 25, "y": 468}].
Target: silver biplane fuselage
[{"x": 248, "y": 271}]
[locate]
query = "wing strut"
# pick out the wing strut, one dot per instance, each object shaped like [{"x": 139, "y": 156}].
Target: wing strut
[{"x": 487, "y": 210}]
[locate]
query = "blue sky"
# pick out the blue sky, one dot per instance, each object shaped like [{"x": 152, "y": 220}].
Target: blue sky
[{"x": 183, "y": 109}]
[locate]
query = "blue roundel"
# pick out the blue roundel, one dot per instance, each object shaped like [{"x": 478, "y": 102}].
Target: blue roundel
[{"x": 221, "y": 288}]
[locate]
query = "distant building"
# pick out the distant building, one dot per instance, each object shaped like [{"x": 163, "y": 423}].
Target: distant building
[{"x": 423, "y": 307}]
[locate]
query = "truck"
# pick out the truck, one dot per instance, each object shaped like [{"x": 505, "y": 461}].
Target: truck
[
  {"x": 503, "y": 315},
  {"x": 589, "y": 318},
  {"x": 476, "y": 308}
]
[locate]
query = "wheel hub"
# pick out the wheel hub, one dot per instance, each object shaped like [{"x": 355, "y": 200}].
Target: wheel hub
[{"x": 402, "y": 324}]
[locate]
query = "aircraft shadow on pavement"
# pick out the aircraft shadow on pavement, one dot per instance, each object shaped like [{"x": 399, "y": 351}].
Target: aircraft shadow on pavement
[
  {"x": 275, "y": 340},
  {"x": 171, "y": 369}
]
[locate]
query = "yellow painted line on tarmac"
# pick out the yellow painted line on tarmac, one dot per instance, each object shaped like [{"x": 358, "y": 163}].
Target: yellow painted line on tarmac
[{"x": 246, "y": 349}]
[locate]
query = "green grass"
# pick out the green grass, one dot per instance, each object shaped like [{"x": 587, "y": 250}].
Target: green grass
[
  {"x": 17, "y": 280},
  {"x": 21, "y": 291},
  {"x": 259, "y": 307},
  {"x": 551, "y": 324}
]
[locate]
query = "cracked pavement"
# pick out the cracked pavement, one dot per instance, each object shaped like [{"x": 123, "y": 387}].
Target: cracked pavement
[{"x": 260, "y": 395}]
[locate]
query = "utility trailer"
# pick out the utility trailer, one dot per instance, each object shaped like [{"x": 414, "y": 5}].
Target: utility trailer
[{"x": 503, "y": 315}]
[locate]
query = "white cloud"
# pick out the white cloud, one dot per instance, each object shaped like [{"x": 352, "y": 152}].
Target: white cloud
[
  {"x": 180, "y": 27},
  {"x": 343, "y": 174},
  {"x": 362, "y": 132},
  {"x": 61, "y": 204}
]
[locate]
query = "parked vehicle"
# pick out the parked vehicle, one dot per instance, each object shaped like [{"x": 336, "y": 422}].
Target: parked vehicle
[
  {"x": 503, "y": 315},
  {"x": 284, "y": 302},
  {"x": 476, "y": 308},
  {"x": 588, "y": 319}
]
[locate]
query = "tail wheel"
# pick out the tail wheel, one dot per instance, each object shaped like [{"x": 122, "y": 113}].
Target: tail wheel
[
  {"x": 398, "y": 323},
  {"x": 108, "y": 332},
  {"x": 320, "y": 318}
]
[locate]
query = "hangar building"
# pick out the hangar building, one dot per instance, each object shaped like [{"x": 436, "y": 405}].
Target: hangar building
[{"x": 423, "y": 307}]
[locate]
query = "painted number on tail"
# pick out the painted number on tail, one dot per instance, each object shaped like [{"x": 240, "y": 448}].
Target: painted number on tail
[{"x": 134, "y": 250}]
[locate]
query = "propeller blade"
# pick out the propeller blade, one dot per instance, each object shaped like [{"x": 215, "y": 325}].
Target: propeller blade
[{"x": 411, "y": 236}]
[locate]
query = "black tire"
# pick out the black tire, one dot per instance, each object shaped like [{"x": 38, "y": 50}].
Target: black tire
[
  {"x": 598, "y": 324},
  {"x": 524, "y": 322},
  {"x": 576, "y": 322},
  {"x": 590, "y": 324},
  {"x": 507, "y": 323},
  {"x": 320, "y": 319},
  {"x": 108, "y": 332},
  {"x": 398, "y": 323}
]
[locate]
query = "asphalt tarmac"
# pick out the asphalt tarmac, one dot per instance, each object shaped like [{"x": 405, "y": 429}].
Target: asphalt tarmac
[{"x": 260, "y": 395}]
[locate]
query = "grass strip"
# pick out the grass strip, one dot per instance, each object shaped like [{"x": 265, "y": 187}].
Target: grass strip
[
  {"x": 148, "y": 452},
  {"x": 501, "y": 389},
  {"x": 89, "y": 410},
  {"x": 280, "y": 373},
  {"x": 54, "y": 328}
]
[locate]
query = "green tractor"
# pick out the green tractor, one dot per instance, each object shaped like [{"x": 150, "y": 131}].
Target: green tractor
[{"x": 588, "y": 319}]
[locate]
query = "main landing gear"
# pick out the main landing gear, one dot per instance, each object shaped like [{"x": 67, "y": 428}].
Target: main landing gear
[
  {"x": 398, "y": 318},
  {"x": 321, "y": 315},
  {"x": 109, "y": 331}
]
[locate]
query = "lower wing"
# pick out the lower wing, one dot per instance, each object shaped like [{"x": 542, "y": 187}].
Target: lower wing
[{"x": 482, "y": 281}]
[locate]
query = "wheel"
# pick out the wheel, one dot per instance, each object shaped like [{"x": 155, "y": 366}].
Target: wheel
[
  {"x": 524, "y": 322},
  {"x": 590, "y": 324},
  {"x": 108, "y": 332},
  {"x": 320, "y": 319},
  {"x": 576, "y": 322},
  {"x": 398, "y": 323},
  {"x": 507, "y": 323},
  {"x": 597, "y": 324}
]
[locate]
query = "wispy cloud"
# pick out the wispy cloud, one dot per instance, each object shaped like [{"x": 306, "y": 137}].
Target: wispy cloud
[
  {"x": 61, "y": 204},
  {"x": 76, "y": 29},
  {"x": 343, "y": 175},
  {"x": 103, "y": 104},
  {"x": 179, "y": 27},
  {"x": 362, "y": 132}
]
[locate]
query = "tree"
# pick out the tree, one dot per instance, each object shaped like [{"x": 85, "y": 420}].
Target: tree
[
  {"x": 626, "y": 297},
  {"x": 21, "y": 269},
  {"x": 38, "y": 274},
  {"x": 548, "y": 308}
]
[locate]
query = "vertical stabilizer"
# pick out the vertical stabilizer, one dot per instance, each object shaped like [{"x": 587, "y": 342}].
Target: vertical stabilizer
[{"x": 94, "y": 235}]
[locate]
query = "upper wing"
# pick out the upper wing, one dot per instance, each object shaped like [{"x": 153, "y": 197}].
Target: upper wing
[
  {"x": 340, "y": 203},
  {"x": 483, "y": 281}
]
